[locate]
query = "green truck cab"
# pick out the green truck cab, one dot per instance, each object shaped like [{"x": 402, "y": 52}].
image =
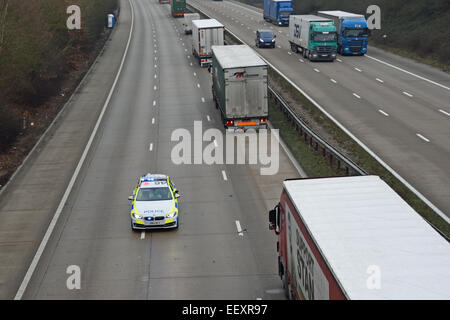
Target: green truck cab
[{"x": 315, "y": 37}]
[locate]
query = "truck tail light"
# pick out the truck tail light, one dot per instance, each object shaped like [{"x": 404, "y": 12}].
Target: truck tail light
[
  {"x": 263, "y": 120},
  {"x": 229, "y": 123}
]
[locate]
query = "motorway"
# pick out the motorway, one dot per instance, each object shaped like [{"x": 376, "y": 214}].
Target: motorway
[
  {"x": 222, "y": 249},
  {"x": 401, "y": 117}
]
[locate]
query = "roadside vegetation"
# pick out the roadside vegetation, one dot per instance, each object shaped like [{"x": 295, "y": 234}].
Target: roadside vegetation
[
  {"x": 41, "y": 59},
  {"x": 415, "y": 29}
]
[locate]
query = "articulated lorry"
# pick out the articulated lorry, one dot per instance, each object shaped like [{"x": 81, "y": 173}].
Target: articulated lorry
[
  {"x": 355, "y": 238},
  {"x": 205, "y": 34},
  {"x": 315, "y": 37},
  {"x": 239, "y": 87},
  {"x": 187, "y": 24},
  {"x": 352, "y": 29},
  {"x": 177, "y": 8},
  {"x": 277, "y": 11}
]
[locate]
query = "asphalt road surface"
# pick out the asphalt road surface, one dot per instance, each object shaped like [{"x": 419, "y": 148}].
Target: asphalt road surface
[
  {"x": 404, "y": 119},
  {"x": 161, "y": 88}
]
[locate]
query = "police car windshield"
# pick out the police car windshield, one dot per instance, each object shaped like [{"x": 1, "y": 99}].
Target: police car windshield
[{"x": 154, "y": 194}]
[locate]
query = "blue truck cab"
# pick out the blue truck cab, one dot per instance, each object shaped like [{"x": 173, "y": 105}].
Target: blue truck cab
[
  {"x": 265, "y": 38},
  {"x": 278, "y": 11},
  {"x": 352, "y": 29}
]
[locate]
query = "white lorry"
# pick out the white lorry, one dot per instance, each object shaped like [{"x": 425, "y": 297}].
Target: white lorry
[
  {"x": 355, "y": 238},
  {"x": 187, "y": 23},
  {"x": 205, "y": 34}
]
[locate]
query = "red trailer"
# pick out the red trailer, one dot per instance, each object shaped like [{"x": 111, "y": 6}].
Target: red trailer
[{"x": 355, "y": 238}]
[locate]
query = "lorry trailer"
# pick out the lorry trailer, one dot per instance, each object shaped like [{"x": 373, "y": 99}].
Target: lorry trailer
[
  {"x": 205, "y": 34},
  {"x": 315, "y": 37},
  {"x": 239, "y": 88},
  {"x": 187, "y": 24},
  {"x": 277, "y": 11},
  {"x": 356, "y": 238},
  {"x": 177, "y": 8},
  {"x": 352, "y": 30}
]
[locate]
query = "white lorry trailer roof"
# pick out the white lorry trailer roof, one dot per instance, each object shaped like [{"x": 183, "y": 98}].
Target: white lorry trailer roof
[
  {"x": 207, "y": 23},
  {"x": 310, "y": 18},
  {"x": 341, "y": 14},
  {"x": 237, "y": 56},
  {"x": 359, "y": 222}
]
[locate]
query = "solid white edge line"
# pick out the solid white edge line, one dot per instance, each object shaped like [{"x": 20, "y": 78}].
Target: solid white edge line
[
  {"x": 351, "y": 135},
  {"x": 422, "y": 137},
  {"x": 408, "y": 72},
  {"x": 239, "y": 228},
  {"x": 224, "y": 174},
  {"x": 48, "y": 233}
]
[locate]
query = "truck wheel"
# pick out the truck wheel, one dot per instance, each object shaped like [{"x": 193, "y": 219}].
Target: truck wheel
[
  {"x": 304, "y": 53},
  {"x": 286, "y": 288}
]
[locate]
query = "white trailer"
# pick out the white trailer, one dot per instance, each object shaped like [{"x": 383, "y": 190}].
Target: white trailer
[
  {"x": 187, "y": 23},
  {"x": 337, "y": 16},
  {"x": 239, "y": 87},
  {"x": 205, "y": 34},
  {"x": 356, "y": 238}
]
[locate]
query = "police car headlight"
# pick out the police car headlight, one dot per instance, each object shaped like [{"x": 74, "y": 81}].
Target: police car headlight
[
  {"x": 172, "y": 214},
  {"x": 136, "y": 216}
]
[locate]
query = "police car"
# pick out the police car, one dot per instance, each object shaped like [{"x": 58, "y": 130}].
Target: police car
[{"x": 154, "y": 203}]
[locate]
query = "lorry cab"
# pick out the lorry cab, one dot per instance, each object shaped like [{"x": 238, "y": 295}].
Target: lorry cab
[
  {"x": 265, "y": 38},
  {"x": 322, "y": 41},
  {"x": 355, "y": 35}
]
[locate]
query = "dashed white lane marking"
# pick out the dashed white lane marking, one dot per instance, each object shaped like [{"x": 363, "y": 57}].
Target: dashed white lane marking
[
  {"x": 408, "y": 72},
  {"x": 154, "y": 88},
  {"x": 156, "y": 65},
  {"x": 191, "y": 64},
  {"x": 151, "y": 147},
  {"x": 258, "y": 298},
  {"x": 280, "y": 31},
  {"x": 301, "y": 60},
  {"x": 332, "y": 80},
  {"x": 203, "y": 99},
  {"x": 383, "y": 113},
  {"x": 182, "y": 44},
  {"x": 195, "y": 74},
  {"x": 156, "y": 58},
  {"x": 339, "y": 60},
  {"x": 444, "y": 112},
  {"x": 185, "y": 49},
  {"x": 422, "y": 137},
  {"x": 238, "y": 227},
  {"x": 153, "y": 120},
  {"x": 379, "y": 80},
  {"x": 316, "y": 70},
  {"x": 289, "y": 52},
  {"x": 356, "y": 95},
  {"x": 224, "y": 175},
  {"x": 188, "y": 57},
  {"x": 154, "y": 102},
  {"x": 155, "y": 51},
  {"x": 156, "y": 76},
  {"x": 279, "y": 47},
  {"x": 208, "y": 118},
  {"x": 198, "y": 85},
  {"x": 407, "y": 94},
  {"x": 142, "y": 235},
  {"x": 359, "y": 70}
]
